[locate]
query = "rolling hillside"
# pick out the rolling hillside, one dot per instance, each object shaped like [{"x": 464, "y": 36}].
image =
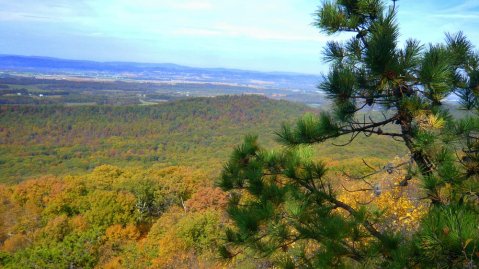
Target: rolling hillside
[
  {"x": 37, "y": 140},
  {"x": 199, "y": 132}
]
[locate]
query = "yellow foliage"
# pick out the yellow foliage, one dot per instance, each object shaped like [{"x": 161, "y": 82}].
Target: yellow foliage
[
  {"x": 48, "y": 209},
  {"x": 165, "y": 222},
  {"x": 118, "y": 232},
  {"x": 430, "y": 121},
  {"x": 182, "y": 180},
  {"x": 185, "y": 240},
  {"x": 398, "y": 207},
  {"x": 114, "y": 263},
  {"x": 171, "y": 251},
  {"x": 399, "y": 212},
  {"x": 105, "y": 175}
]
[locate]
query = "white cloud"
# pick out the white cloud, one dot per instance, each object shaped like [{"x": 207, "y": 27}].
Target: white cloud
[
  {"x": 226, "y": 30},
  {"x": 46, "y": 10},
  {"x": 266, "y": 34}
]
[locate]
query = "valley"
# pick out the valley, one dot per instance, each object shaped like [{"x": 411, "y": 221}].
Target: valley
[{"x": 36, "y": 80}]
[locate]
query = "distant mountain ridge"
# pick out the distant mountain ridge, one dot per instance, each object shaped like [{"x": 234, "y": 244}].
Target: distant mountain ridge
[
  {"x": 18, "y": 61},
  {"x": 156, "y": 71}
]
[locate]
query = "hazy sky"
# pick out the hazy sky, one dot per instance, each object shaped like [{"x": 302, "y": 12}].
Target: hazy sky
[{"x": 248, "y": 34}]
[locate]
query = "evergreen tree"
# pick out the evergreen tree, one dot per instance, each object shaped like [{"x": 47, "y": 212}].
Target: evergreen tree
[{"x": 283, "y": 206}]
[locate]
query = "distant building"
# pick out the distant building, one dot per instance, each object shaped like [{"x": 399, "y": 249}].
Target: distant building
[
  {"x": 19, "y": 93},
  {"x": 41, "y": 95}
]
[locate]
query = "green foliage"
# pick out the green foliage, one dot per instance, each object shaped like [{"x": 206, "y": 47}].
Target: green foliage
[
  {"x": 197, "y": 133},
  {"x": 200, "y": 230},
  {"x": 37, "y": 140},
  {"x": 104, "y": 208},
  {"x": 311, "y": 128},
  {"x": 285, "y": 206},
  {"x": 436, "y": 73},
  {"x": 289, "y": 204},
  {"x": 340, "y": 83},
  {"x": 75, "y": 250},
  {"x": 449, "y": 236},
  {"x": 335, "y": 16},
  {"x": 381, "y": 54}
]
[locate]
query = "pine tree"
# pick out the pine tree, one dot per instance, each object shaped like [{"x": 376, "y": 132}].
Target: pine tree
[{"x": 284, "y": 208}]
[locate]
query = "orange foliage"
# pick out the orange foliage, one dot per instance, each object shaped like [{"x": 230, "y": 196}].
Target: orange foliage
[
  {"x": 207, "y": 198},
  {"x": 118, "y": 232},
  {"x": 172, "y": 251},
  {"x": 38, "y": 191},
  {"x": 48, "y": 210},
  {"x": 79, "y": 223},
  {"x": 114, "y": 263},
  {"x": 15, "y": 243}
]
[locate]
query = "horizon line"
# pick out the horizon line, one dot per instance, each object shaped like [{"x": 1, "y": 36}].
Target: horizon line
[{"x": 165, "y": 63}]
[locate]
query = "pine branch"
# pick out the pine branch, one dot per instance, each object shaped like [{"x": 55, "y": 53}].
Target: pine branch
[
  {"x": 299, "y": 136},
  {"x": 369, "y": 227}
]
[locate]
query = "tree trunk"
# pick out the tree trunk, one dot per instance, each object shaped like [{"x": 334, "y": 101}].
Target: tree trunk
[{"x": 424, "y": 162}]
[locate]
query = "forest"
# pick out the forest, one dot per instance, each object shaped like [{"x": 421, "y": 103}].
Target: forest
[
  {"x": 198, "y": 132},
  {"x": 127, "y": 186}
]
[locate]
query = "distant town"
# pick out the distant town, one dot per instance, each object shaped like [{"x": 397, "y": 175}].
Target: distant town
[{"x": 41, "y": 80}]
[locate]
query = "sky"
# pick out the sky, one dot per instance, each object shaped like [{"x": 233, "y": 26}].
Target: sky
[{"x": 264, "y": 35}]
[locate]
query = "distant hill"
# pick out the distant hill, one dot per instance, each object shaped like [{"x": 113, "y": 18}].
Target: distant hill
[
  {"x": 49, "y": 63},
  {"x": 49, "y": 139},
  {"x": 154, "y": 71}
]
